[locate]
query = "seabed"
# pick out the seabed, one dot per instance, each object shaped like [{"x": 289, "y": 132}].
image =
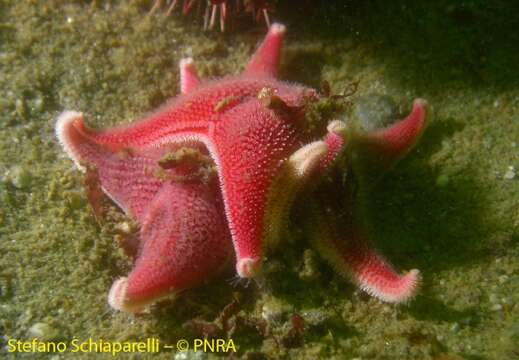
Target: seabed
[{"x": 450, "y": 209}]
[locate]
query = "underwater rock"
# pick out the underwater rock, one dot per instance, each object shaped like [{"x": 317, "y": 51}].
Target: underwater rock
[{"x": 375, "y": 111}]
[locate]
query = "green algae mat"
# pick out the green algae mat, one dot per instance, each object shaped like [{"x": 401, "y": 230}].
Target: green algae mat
[{"x": 450, "y": 209}]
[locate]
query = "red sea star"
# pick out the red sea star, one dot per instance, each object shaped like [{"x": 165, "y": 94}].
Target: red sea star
[{"x": 224, "y": 161}]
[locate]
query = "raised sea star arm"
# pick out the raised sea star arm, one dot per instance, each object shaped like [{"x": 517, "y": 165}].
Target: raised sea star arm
[
  {"x": 376, "y": 151},
  {"x": 306, "y": 163},
  {"x": 184, "y": 242},
  {"x": 349, "y": 253},
  {"x": 398, "y": 139},
  {"x": 318, "y": 155},
  {"x": 131, "y": 179},
  {"x": 122, "y": 176},
  {"x": 335, "y": 141},
  {"x": 188, "y": 75},
  {"x": 265, "y": 61}
]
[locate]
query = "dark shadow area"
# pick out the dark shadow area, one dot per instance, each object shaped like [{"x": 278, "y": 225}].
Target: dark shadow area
[
  {"x": 198, "y": 312},
  {"x": 431, "y": 45},
  {"x": 320, "y": 298},
  {"x": 414, "y": 220},
  {"x": 6, "y": 32},
  {"x": 302, "y": 66},
  {"x": 202, "y": 304},
  {"x": 426, "y": 307},
  {"x": 421, "y": 220}
]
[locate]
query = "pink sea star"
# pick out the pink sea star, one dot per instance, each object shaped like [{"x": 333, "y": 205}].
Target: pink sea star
[{"x": 222, "y": 163}]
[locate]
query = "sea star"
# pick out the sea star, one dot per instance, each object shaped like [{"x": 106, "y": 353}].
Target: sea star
[{"x": 222, "y": 163}]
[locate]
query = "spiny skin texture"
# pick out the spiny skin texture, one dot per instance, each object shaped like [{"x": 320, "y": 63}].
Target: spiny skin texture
[
  {"x": 184, "y": 242},
  {"x": 258, "y": 8},
  {"x": 184, "y": 239},
  {"x": 222, "y": 163}
]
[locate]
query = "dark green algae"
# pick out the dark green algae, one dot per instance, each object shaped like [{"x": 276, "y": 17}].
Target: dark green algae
[{"x": 450, "y": 208}]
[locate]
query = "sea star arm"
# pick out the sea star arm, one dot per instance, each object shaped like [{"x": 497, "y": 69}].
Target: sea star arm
[
  {"x": 396, "y": 140},
  {"x": 249, "y": 155},
  {"x": 335, "y": 143},
  {"x": 306, "y": 159},
  {"x": 265, "y": 61},
  {"x": 386, "y": 145},
  {"x": 188, "y": 75},
  {"x": 129, "y": 178},
  {"x": 184, "y": 241},
  {"x": 376, "y": 151},
  {"x": 351, "y": 256},
  {"x": 304, "y": 165},
  {"x": 318, "y": 155}
]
